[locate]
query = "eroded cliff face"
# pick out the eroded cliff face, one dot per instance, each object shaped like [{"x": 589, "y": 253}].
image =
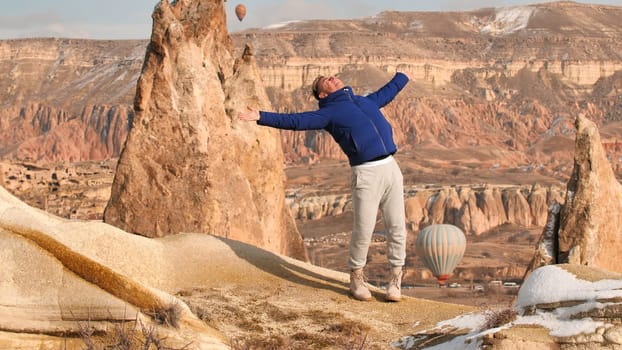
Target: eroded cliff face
[
  {"x": 67, "y": 100},
  {"x": 474, "y": 209},
  {"x": 510, "y": 78},
  {"x": 188, "y": 164}
]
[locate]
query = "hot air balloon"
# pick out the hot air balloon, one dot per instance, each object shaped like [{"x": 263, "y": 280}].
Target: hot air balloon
[
  {"x": 441, "y": 247},
  {"x": 240, "y": 11}
]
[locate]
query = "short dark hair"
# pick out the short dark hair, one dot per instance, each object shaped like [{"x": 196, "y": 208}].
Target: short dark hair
[{"x": 315, "y": 87}]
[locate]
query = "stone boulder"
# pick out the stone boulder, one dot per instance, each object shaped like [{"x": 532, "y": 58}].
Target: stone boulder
[{"x": 188, "y": 164}]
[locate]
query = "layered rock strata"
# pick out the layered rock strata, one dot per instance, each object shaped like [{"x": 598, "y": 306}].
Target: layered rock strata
[{"x": 512, "y": 78}]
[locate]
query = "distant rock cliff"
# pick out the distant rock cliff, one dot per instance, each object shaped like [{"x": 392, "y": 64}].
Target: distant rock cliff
[
  {"x": 571, "y": 40},
  {"x": 65, "y": 99},
  {"x": 511, "y": 79},
  {"x": 189, "y": 165},
  {"x": 475, "y": 209}
]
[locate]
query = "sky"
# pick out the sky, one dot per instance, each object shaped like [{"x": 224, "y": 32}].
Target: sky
[{"x": 131, "y": 19}]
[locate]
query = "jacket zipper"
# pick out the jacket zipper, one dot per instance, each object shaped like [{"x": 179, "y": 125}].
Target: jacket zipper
[{"x": 369, "y": 119}]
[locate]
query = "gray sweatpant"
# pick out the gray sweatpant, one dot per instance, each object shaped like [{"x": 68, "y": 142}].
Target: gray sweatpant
[{"x": 378, "y": 185}]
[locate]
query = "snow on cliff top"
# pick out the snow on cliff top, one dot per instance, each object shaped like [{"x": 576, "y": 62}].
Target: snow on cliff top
[
  {"x": 281, "y": 24},
  {"x": 509, "y": 20}
]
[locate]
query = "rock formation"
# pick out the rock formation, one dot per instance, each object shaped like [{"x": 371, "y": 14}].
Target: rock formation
[
  {"x": 563, "y": 306},
  {"x": 590, "y": 220},
  {"x": 585, "y": 230},
  {"x": 62, "y": 280},
  {"x": 481, "y": 82},
  {"x": 188, "y": 165},
  {"x": 67, "y": 100},
  {"x": 474, "y": 209}
]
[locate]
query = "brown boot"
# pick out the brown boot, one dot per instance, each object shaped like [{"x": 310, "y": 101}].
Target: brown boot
[
  {"x": 394, "y": 289},
  {"x": 357, "y": 286}
]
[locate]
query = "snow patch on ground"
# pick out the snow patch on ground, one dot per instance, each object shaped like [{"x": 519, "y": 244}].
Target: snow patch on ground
[
  {"x": 559, "y": 322},
  {"x": 473, "y": 321},
  {"x": 548, "y": 284}
]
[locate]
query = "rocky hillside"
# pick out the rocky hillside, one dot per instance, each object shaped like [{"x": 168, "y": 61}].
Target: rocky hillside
[
  {"x": 508, "y": 78},
  {"x": 504, "y": 83},
  {"x": 67, "y": 100}
]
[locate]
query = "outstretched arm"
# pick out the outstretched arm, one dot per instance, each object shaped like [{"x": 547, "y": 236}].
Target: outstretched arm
[
  {"x": 287, "y": 121},
  {"x": 388, "y": 92}
]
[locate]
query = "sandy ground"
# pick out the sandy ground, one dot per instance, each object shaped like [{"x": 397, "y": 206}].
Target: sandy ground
[{"x": 261, "y": 300}]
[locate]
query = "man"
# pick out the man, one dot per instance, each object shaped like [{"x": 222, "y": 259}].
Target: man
[{"x": 366, "y": 137}]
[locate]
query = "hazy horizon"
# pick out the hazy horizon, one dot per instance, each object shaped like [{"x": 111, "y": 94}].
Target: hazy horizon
[{"x": 115, "y": 19}]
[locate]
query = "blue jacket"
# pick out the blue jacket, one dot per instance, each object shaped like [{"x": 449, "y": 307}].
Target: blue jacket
[{"x": 355, "y": 122}]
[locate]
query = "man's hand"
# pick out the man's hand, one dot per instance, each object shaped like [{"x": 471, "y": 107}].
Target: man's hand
[{"x": 250, "y": 115}]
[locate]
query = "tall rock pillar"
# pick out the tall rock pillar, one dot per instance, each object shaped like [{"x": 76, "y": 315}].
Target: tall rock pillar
[
  {"x": 587, "y": 228},
  {"x": 590, "y": 232},
  {"x": 188, "y": 164}
]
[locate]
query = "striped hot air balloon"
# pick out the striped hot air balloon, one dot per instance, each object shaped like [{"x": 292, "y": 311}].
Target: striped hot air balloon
[{"x": 441, "y": 247}]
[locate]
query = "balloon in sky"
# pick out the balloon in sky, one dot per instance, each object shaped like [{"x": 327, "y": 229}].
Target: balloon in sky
[
  {"x": 240, "y": 11},
  {"x": 441, "y": 247}
]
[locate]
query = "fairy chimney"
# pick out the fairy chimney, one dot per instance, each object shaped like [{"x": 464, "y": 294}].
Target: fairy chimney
[
  {"x": 590, "y": 220},
  {"x": 585, "y": 230},
  {"x": 188, "y": 164}
]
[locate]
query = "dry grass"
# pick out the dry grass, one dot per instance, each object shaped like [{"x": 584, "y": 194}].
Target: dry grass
[
  {"x": 168, "y": 315},
  {"x": 498, "y": 318},
  {"x": 302, "y": 341},
  {"x": 126, "y": 335},
  {"x": 133, "y": 335},
  {"x": 257, "y": 323},
  {"x": 341, "y": 334},
  {"x": 252, "y": 343}
]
